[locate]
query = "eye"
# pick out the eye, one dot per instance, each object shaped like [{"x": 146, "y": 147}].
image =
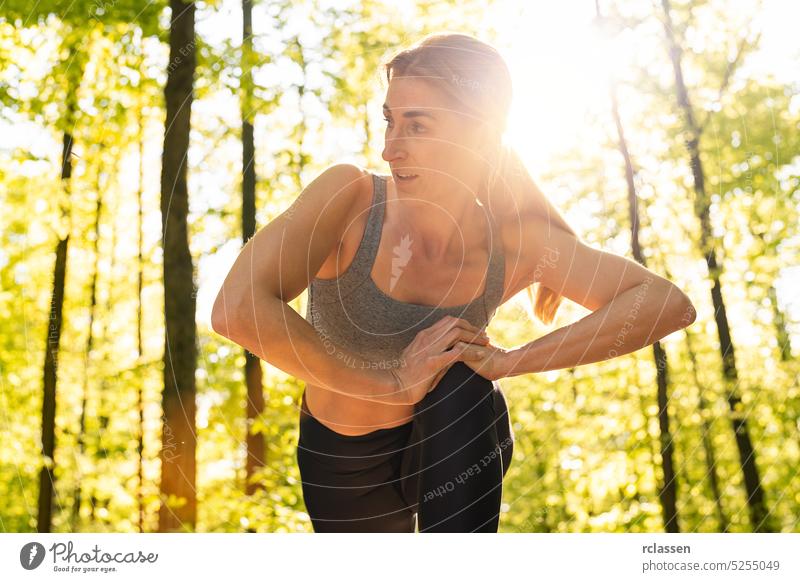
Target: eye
[{"x": 416, "y": 127}]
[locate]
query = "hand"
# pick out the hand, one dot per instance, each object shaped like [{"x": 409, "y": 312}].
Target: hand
[
  {"x": 490, "y": 362},
  {"x": 428, "y": 357}
]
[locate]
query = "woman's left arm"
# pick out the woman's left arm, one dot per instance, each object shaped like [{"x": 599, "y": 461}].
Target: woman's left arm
[{"x": 632, "y": 307}]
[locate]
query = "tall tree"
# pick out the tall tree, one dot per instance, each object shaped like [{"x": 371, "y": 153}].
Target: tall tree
[
  {"x": 102, "y": 182},
  {"x": 73, "y": 71},
  {"x": 76, "y": 22},
  {"x": 703, "y": 407},
  {"x": 178, "y": 509},
  {"x": 668, "y": 492},
  {"x": 139, "y": 289},
  {"x": 759, "y": 515},
  {"x": 46, "y": 475},
  {"x": 252, "y": 366}
]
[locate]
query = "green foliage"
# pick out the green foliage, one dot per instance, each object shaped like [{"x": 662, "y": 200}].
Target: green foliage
[
  {"x": 84, "y": 14},
  {"x": 587, "y": 451}
]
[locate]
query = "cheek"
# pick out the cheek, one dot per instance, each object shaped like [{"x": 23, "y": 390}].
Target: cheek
[
  {"x": 465, "y": 146},
  {"x": 458, "y": 156},
  {"x": 435, "y": 152}
]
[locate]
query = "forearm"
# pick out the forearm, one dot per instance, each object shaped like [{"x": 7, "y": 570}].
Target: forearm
[
  {"x": 635, "y": 318},
  {"x": 276, "y": 333}
]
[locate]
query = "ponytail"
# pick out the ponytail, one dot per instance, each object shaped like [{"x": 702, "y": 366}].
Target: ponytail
[{"x": 511, "y": 192}]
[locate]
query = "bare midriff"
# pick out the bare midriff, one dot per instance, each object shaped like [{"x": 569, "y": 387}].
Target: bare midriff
[{"x": 354, "y": 416}]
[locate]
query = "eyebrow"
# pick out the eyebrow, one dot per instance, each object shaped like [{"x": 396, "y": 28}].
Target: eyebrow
[{"x": 411, "y": 114}]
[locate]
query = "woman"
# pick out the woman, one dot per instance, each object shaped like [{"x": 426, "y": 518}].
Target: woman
[{"x": 402, "y": 417}]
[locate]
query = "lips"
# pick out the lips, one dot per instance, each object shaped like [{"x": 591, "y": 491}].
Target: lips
[{"x": 404, "y": 176}]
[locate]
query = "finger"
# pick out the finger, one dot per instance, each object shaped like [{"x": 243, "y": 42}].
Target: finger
[
  {"x": 472, "y": 352},
  {"x": 472, "y": 355},
  {"x": 444, "y": 333},
  {"x": 461, "y": 351},
  {"x": 435, "y": 331},
  {"x": 471, "y": 358},
  {"x": 444, "y": 323},
  {"x": 457, "y": 334},
  {"x": 464, "y": 324},
  {"x": 476, "y": 339},
  {"x": 449, "y": 339},
  {"x": 448, "y": 321}
]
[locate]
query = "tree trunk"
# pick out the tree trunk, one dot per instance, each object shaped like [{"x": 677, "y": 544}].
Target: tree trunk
[
  {"x": 139, "y": 348},
  {"x": 178, "y": 511},
  {"x": 256, "y": 457},
  {"x": 76, "y": 505},
  {"x": 668, "y": 493},
  {"x": 708, "y": 447},
  {"x": 103, "y": 417},
  {"x": 759, "y": 515},
  {"x": 46, "y": 475}
]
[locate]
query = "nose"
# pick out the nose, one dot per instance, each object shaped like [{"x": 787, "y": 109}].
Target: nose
[{"x": 393, "y": 149}]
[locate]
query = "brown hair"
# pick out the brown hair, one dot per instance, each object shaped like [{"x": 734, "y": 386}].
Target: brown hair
[{"x": 476, "y": 78}]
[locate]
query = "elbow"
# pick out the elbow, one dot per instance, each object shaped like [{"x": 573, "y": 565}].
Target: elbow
[
  {"x": 685, "y": 310},
  {"x": 224, "y": 315}
]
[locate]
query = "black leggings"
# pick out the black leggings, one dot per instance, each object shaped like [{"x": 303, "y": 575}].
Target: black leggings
[{"x": 445, "y": 467}]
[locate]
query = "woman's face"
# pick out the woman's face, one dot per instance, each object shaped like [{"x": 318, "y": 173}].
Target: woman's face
[{"x": 425, "y": 136}]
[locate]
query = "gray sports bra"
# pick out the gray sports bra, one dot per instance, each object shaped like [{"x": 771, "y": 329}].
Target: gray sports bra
[{"x": 352, "y": 312}]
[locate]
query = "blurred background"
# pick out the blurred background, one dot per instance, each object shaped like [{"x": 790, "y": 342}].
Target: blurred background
[{"x": 142, "y": 142}]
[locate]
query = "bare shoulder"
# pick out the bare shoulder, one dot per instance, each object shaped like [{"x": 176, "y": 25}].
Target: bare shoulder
[
  {"x": 359, "y": 181},
  {"x": 356, "y": 184},
  {"x": 339, "y": 189},
  {"x": 348, "y": 180}
]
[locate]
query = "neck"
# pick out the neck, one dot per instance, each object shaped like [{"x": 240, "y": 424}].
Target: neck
[{"x": 442, "y": 226}]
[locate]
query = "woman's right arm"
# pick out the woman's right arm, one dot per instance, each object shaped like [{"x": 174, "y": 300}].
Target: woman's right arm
[{"x": 275, "y": 266}]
